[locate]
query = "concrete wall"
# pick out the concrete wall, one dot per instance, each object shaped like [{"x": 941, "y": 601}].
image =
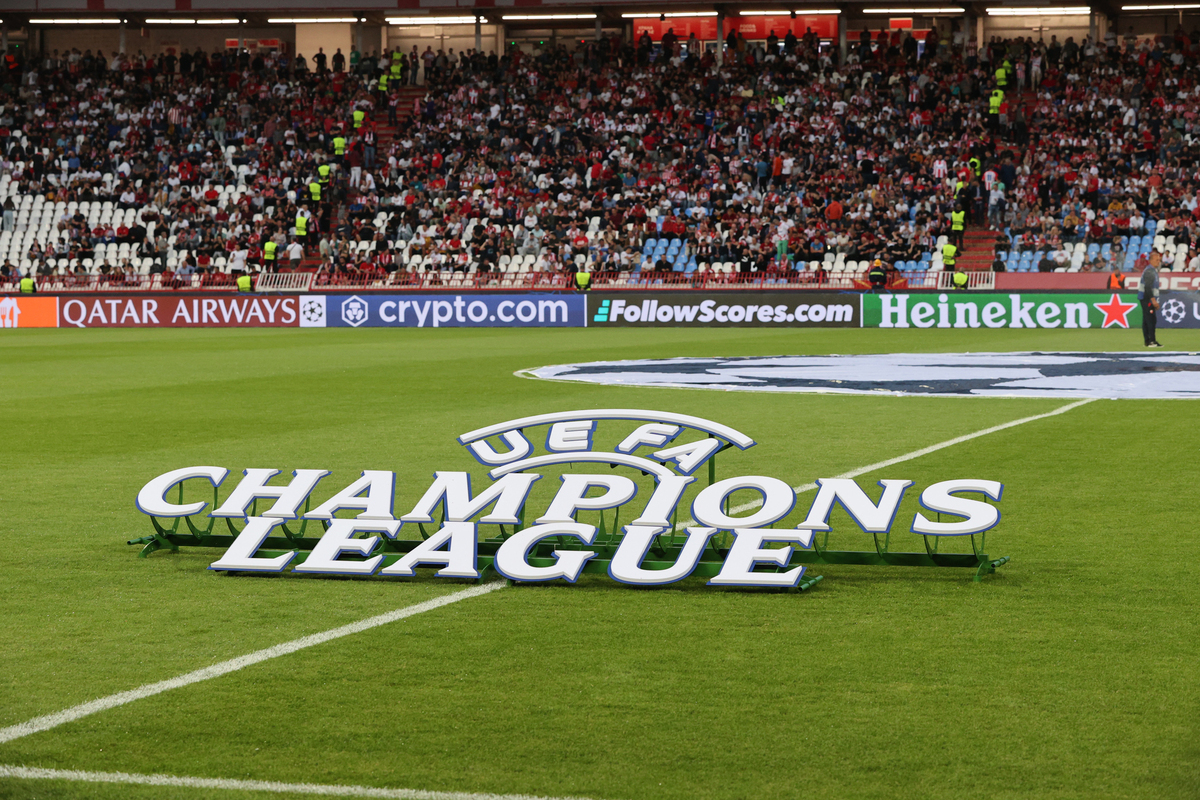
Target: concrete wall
[
  {"x": 1062, "y": 27},
  {"x": 444, "y": 37},
  {"x": 372, "y": 38},
  {"x": 330, "y": 36},
  {"x": 1146, "y": 25},
  {"x": 156, "y": 39}
]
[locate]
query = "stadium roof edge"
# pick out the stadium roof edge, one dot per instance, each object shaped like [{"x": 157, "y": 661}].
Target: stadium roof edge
[{"x": 375, "y": 12}]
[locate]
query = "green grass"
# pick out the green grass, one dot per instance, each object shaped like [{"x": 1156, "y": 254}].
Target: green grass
[{"x": 1071, "y": 673}]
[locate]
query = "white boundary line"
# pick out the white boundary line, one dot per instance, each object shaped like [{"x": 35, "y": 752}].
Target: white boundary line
[
  {"x": 49, "y": 721},
  {"x": 924, "y": 451},
  {"x": 327, "y": 790}
]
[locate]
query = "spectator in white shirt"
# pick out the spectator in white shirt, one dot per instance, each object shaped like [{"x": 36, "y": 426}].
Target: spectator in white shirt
[{"x": 295, "y": 253}]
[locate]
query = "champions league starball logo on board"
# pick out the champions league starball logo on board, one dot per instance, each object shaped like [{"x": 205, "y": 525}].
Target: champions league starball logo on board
[
  {"x": 1174, "y": 311},
  {"x": 465, "y": 531},
  {"x": 312, "y": 312}
]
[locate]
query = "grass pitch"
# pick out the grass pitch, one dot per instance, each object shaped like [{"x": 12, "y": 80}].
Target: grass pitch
[{"x": 1071, "y": 673}]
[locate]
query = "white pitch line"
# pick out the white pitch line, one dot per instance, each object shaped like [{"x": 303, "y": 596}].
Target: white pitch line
[
  {"x": 49, "y": 721},
  {"x": 924, "y": 451},
  {"x": 229, "y": 784}
]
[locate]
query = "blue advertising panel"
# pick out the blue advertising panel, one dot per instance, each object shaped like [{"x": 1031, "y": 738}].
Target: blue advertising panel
[{"x": 529, "y": 310}]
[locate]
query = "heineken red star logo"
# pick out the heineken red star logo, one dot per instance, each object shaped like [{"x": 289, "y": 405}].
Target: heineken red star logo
[{"x": 1115, "y": 312}]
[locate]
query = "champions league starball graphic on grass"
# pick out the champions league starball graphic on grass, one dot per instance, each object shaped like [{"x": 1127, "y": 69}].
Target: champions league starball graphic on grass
[
  {"x": 465, "y": 531},
  {"x": 1065, "y": 375}
]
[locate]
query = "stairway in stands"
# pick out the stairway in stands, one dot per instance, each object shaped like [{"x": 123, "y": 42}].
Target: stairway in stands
[
  {"x": 977, "y": 249},
  {"x": 387, "y": 132}
]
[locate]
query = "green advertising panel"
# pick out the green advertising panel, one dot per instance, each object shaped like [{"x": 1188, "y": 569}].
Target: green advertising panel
[{"x": 995, "y": 310}]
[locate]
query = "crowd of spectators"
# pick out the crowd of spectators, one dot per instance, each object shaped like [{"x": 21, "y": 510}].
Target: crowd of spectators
[{"x": 774, "y": 160}]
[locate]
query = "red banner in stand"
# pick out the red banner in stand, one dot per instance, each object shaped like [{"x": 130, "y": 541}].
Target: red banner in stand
[
  {"x": 705, "y": 28},
  {"x": 164, "y": 311}
]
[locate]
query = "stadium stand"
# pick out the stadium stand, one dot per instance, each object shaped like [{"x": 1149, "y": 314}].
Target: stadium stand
[{"x": 642, "y": 162}]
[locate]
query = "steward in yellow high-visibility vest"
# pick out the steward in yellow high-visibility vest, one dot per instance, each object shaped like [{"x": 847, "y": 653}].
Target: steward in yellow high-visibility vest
[
  {"x": 339, "y": 145},
  {"x": 583, "y": 279},
  {"x": 959, "y": 280},
  {"x": 976, "y": 167},
  {"x": 243, "y": 283},
  {"x": 269, "y": 253},
  {"x": 301, "y": 226},
  {"x": 949, "y": 251},
  {"x": 383, "y": 82},
  {"x": 359, "y": 118},
  {"x": 323, "y": 174},
  {"x": 994, "y": 102},
  {"x": 28, "y": 286},
  {"x": 397, "y": 70},
  {"x": 1002, "y": 75},
  {"x": 958, "y": 187},
  {"x": 958, "y": 221},
  {"x": 314, "y": 189}
]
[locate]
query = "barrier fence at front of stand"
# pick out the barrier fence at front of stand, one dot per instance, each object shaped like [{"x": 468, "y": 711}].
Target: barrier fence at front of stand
[{"x": 300, "y": 281}]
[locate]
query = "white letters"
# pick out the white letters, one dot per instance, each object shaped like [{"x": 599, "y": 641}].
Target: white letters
[
  {"x": 512, "y": 557},
  {"x": 380, "y": 487},
  {"x": 666, "y": 496},
  {"x": 626, "y": 565},
  {"x": 458, "y": 558},
  {"x": 565, "y": 437},
  {"x": 871, "y": 518},
  {"x": 254, "y": 485},
  {"x": 654, "y": 434},
  {"x": 571, "y": 496},
  {"x": 778, "y": 499},
  {"x": 151, "y": 500},
  {"x": 454, "y": 488},
  {"x": 518, "y": 448},
  {"x": 940, "y": 497},
  {"x": 240, "y": 555},
  {"x": 323, "y": 559},
  {"x": 649, "y": 551},
  {"x": 895, "y": 311},
  {"x": 747, "y": 550},
  {"x": 691, "y": 455}
]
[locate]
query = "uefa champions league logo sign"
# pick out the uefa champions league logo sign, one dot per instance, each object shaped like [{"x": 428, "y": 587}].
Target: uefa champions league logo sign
[
  {"x": 1174, "y": 311},
  {"x": 463, "y": 531}
]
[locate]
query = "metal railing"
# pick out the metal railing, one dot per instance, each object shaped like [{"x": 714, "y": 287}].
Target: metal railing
[
  {"x": 976, "y": 279},
  {"x": 302, "y": 281}
]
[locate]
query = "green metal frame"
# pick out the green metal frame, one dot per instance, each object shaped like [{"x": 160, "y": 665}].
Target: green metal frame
[{"x": 664, "y": 549}]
